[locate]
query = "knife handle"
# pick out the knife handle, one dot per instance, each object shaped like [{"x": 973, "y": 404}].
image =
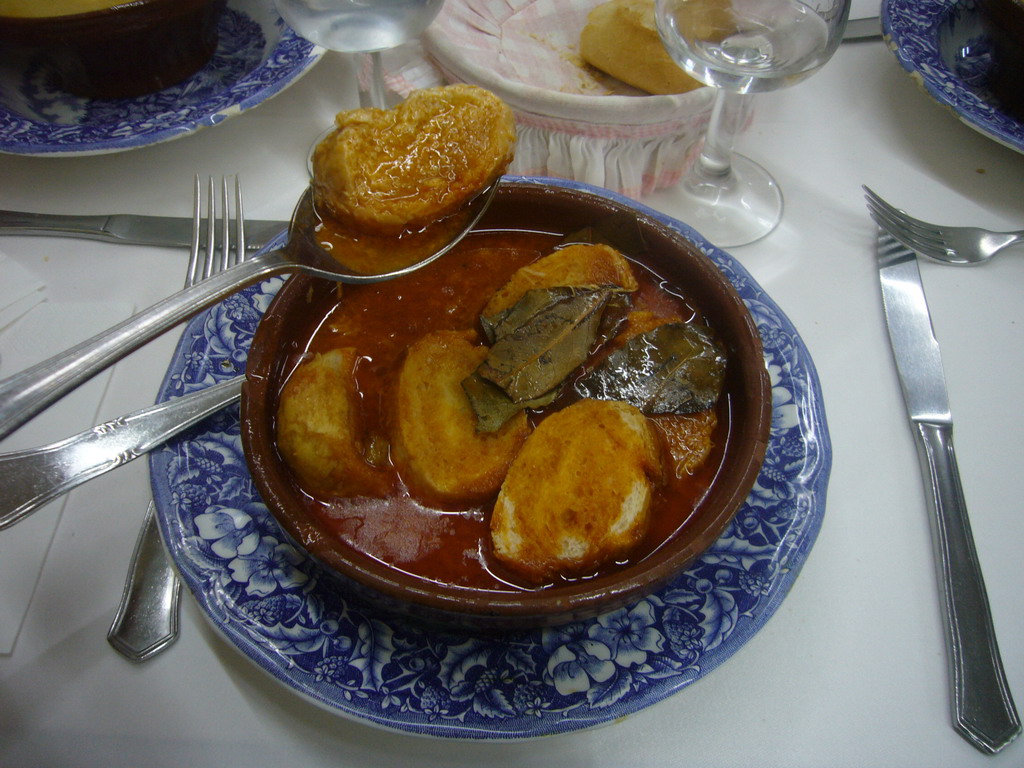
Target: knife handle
[
  {"x": 36, "y": 476},
  {"x": 147, "y": 617},
  {"x": 22, "y": 223},
  {"x": 983, "y": 709}
]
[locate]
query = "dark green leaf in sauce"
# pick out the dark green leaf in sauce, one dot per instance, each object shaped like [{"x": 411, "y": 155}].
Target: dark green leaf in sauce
[
  {"x": 543, "y": 338},
  {"x": 674, "y": 368},
  {"x": 493, "y": 407}
]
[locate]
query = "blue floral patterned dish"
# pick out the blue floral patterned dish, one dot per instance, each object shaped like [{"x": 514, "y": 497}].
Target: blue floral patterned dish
[
  {"x": 290, "y": 616},
  {"x": 941, "y": 44},
  {"x": 257, "y": 56}
]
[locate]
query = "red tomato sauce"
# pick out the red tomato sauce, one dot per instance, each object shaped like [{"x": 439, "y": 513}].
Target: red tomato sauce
[{"x": 381, "y": 321}]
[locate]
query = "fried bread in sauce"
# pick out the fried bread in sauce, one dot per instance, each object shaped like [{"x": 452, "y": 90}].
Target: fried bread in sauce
[
  {"x": 574, "y": 265},
  {"x": 687, "y": 438},
  {"x": 578, "y": 494},
  {"x": 435, "y": 444},
  {"x": 320, "y": 431},
  {"x": 385, "y": 172}
]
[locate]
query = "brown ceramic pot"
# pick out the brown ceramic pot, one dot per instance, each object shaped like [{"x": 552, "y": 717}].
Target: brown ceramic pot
[
  {"x": 125, "y": 51},
  {"x": 531, "y": 206}
]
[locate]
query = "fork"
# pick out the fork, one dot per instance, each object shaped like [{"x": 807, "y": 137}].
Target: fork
[
  {"x": 146, "y": 621},
  {"x": 950, "y": 245}
]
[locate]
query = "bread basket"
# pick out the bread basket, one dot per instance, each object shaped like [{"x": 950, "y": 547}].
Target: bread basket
[{"x": 571, "y": 122}]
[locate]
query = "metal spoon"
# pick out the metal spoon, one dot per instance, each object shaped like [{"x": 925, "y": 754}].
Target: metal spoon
[{"x": 25, "y": 394}]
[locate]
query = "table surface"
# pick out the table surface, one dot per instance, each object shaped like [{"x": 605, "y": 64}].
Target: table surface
[{"x": 851, "y": 670}]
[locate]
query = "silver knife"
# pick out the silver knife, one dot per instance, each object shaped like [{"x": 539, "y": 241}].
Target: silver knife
[
  {"x": 983, "y": 709},
  {"x": 171, "y": 231},
  {"x": 866, "y": 28}
]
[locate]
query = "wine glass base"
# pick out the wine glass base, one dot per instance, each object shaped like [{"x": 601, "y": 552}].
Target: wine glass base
[{"x": 739, "y": 211}]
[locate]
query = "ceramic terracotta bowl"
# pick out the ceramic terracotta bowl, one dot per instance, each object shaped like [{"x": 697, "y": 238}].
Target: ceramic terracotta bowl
[
  {"x": 122, "y": 51},
  {"x": 522, "y": 205},
  {"x": 1003, "y": 22}
]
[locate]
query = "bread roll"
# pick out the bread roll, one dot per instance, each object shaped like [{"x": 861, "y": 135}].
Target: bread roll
[
  {"x": 620, "y": 38},
  {"x": 385, "y": 172}
]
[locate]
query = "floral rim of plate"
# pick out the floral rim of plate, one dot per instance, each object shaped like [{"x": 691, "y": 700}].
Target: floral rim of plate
[
  {"x": 286, "y": 613},
  {"x": 257, "y": 56},
  {"x": 941, "y": 43}
]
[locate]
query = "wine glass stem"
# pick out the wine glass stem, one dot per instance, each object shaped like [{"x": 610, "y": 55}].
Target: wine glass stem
[
  {"x": 377, "y": 89},
  {"x": 728, "y": 116}
]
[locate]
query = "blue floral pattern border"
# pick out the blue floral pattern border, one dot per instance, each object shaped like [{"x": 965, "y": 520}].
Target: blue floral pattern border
[
  {"x": 294, "y": 619},
  {"x": 257, "y": 56},
  {"x": 942, "y": 45}
]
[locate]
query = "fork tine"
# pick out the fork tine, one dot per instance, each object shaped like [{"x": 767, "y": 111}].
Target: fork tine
[
  {"x": 934, "y": 250},
  {"x": 890, "y": 212},
  {"x": 888, "y": 221},
  {"x": 897, "y": 214},
  {"x": 920, "y": 229},
  {"x": 219, "y": 249},
  {"x": 225, "y": 225},
  {"x": 193, "y": 256},
  {"x": 915, "y": 234},
  {"x": 211, "y": 228},
  {"x": 895, "y": 230},
  {"x": 874, "y": 199},
  {"x": 918, "y": 226},
  {"x": 929, "y": 243},
  {"x": 240, "y": 244}
]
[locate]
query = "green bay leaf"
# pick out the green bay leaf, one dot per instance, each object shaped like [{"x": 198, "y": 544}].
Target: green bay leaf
[
  {"x": 557, "y": 331},
  {"x": 674, "y": 368}
]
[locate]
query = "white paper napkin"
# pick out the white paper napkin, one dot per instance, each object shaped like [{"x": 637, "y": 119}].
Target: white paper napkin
[
  {"x": 44, "y": 331},
  {"x": 19, "y": 291}
]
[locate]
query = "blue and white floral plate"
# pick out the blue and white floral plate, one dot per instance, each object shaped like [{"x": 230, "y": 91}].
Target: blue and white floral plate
[
  {"x": 290, "y": 616},
  {"x": 257, "y": 56},
  {"x": 942, "y": 45}
]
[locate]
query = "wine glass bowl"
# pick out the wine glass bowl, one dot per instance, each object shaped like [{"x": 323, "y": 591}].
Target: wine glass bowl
[
  {"x": 772, "y": 45},
  {"x": 360, "y": 26},
  {"x": 743, "y": 47}
]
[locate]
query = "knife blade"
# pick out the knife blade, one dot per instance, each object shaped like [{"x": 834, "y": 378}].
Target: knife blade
[
  {"x": 170, "y": 231},
  {"x": 983, "y": 709},
  {"x": 866, "y": 28}
]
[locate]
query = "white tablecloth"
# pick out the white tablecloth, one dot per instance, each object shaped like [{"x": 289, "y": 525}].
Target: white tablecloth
[{"x": 851, "y": 670}]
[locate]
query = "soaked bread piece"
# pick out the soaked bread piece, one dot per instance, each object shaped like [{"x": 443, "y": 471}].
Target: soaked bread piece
[
  {"x": 621, "y": 39},
  {"x": 388, "y": 171},
  {"x": 578, "y": 494},
  {"x": 641, "y": 321},
  {"x": 574, "y": 265},
  {"x": 687, "y": 438},
  {"x": 435, "y": 443},
  {"x": 319, "y": 431}
]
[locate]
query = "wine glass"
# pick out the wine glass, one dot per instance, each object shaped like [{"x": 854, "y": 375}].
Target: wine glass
[
  {"x": 742, "y": 47},
  {"x": 360, "y": 26}
]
